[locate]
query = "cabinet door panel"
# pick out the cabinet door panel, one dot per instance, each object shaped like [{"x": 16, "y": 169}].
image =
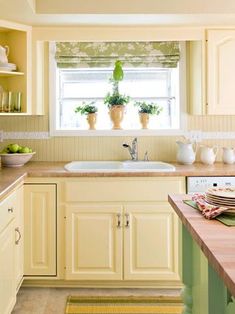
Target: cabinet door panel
[
  {"x": 40, "y": 230},
  {"x": 93, "y": 242},
  {"x": 221, "y": 69},
  {"x": 7, "y": 269},
  {"x": 19, "y": 237},
  {"x": 150, "y": 244}
]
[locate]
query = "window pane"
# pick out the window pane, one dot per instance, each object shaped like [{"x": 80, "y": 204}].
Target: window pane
[{"x": 147, "y": 84}]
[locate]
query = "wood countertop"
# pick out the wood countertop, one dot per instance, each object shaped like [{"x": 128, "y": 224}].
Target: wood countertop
[
  {"x": 11, "y": 176},
  {"x": 216, "y": 240}
]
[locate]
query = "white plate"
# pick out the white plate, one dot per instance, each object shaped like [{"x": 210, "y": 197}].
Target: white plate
[{"x": 228, "y": 192}]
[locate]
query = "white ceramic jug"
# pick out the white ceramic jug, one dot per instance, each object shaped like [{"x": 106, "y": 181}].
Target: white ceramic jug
[
  {"x": 208, "y": 154},
  {"x": 4, "y": 52},
  {"x": 186, "y": 152},
  {"x": 228, "y": 155}
]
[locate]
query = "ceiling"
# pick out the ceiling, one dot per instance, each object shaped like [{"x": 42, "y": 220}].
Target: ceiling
[{"x": 121, "y": 12}]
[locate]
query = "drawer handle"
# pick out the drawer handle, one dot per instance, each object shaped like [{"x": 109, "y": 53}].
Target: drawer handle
[
  {"x": 127, "y": 225},
  {"x": 10, "y": 210},
  {"x": 17, "y": 230},
  {"x": 118, "y": 220}
]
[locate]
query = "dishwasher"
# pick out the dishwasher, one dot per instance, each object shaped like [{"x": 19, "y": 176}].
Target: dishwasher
[{"x": 201, "y": 184}]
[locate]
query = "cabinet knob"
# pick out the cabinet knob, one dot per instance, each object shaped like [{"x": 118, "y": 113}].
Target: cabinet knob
[
  {"x": 118, "y": 220},
  {"x": 17, "y": 230},
  {"x": 10, "y": 210},
  {"x": 127, "y": 225}
]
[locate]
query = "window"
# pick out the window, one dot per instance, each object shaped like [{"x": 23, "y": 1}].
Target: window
[{"x": 76, "y": 84}]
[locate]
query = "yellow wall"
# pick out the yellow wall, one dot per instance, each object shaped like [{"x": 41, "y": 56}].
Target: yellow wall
[{"x": 104, "y": 148}]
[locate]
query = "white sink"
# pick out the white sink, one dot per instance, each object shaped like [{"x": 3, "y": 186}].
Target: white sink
[
  {"x": 118, "y": 166},
  {"x": 148, "y": 166},
  {"x": 93, "y": 165}
]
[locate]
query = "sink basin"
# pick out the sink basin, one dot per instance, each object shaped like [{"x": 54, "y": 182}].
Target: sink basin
[
  {"x": 148, "y": 165},
  {"x": 118, "y": 166},
  {"x": 93, "y": 165}
]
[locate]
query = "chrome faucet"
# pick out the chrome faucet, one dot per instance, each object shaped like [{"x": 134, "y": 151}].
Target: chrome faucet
[{"x": 133, "y": 149}]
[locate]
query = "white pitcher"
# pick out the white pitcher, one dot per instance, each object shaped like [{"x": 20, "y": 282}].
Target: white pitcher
[
  {"x": 186, "y": 152},
  {"x": 228, "y": 155},
  {"x": 208, "y": 154},
  {"x": 4, "y": 52}
]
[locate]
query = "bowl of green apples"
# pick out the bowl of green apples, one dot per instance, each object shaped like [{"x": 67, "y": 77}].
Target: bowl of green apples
[{"x": 15, "y": 155}]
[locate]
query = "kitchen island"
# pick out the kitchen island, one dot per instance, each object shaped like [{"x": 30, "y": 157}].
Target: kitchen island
[{"x": 208, "y": 261}]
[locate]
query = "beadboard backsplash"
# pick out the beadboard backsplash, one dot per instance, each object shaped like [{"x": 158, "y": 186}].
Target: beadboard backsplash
[{"x": 110, "y": 148}]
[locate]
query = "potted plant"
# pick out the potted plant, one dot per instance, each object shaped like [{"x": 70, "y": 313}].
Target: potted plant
[
  {"x": 115, "y": 101},
  {"x": 145, "y": 109},
  {"x": 90, "y": 110}
]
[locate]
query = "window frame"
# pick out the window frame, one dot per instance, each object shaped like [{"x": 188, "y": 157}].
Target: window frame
[{"x": 53, "y": 131}]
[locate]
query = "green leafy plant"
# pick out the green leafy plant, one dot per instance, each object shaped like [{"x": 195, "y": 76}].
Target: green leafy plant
[
  {"x": 115, "y": 98},
  {"x": 86, "y": 108},
  {"x": 150, "y": 108}
]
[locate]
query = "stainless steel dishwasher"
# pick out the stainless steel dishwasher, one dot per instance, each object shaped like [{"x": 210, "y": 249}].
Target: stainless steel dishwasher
[{"x": 200, "y": 184}]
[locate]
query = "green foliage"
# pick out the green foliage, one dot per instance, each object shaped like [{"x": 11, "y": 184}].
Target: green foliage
[
  {"x": 149, "y": 108},
  {"x": 86, "y": 108},
  {"x": 115, "y": 98}
]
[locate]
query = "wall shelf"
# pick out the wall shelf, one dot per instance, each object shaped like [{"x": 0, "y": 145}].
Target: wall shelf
[{"x": 11, "y": 73}]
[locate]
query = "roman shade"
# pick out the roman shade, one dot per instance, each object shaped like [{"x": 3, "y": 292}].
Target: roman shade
[{"x": 164, "y": 54}]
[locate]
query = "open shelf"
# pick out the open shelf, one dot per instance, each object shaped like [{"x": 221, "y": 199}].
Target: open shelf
[{"x": 10, "y": 73}]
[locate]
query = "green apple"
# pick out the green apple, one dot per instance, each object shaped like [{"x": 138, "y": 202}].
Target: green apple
[
  {"x": 24, "y": 150},
  {"x": 4, "y": 151},
  {"x": 13, "y": 148}
]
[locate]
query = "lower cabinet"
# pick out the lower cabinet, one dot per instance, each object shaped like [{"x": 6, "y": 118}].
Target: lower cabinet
[
  {"x": 150, "y": 242},
  {"x": 114, "y": 242},
  {"x": 93, "y": 242},
  {"x": 7, "y": 268},
  {"x": 40, "y": 229},
  {"x": 11, "y": 249}
]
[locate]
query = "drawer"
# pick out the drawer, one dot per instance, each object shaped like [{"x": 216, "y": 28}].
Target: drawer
[
  {"x": 140, "y": 189},
  {"x": 7, "y": 210}
]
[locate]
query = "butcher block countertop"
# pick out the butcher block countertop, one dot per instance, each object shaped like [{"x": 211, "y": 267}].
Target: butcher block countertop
[
  {"x": 9, "y": 177},
  {"x": 216, "y": 240}
]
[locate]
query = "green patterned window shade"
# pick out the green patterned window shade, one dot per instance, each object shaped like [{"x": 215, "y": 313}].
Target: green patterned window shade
[{"x": 165, "y": 54}]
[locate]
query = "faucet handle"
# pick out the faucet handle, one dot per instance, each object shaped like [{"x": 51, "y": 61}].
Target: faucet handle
[{"x": 146, "y": 157}]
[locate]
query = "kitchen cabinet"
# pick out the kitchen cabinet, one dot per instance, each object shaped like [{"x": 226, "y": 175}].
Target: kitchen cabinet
[
  {"x": 10, "y": 250},
  {"x": 19, "y": 238},
  {"x": 40, "y": 229},
  {"x": 93, "y": 242},
  {"x": 220, "y": 71},
  {"x": 18, "y": 38},
  {"x": 150, "y": 242},
  {"x": 133, "y": 212}
]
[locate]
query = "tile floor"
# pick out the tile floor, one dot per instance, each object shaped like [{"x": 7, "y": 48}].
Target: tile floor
[{"x": 53, "y": 300}]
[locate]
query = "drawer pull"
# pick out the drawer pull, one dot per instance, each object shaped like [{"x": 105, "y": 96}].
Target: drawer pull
[
  {"x": 10, "y": 210},
  {"x": 119, "y": 221},
  {"x": 17, "y": 230},
  {"x": 127, "y": 225}
]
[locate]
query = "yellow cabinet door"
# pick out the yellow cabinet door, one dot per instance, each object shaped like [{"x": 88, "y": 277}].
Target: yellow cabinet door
[
  {"x": 220, "y": 71},
  {"x": 150, "y": 242},
  {"x": 40, "y": 229},
  {"x": 93, "y": 242},
  {"x": 19, "y": 237},
  {"x": 7, "y": 269}
]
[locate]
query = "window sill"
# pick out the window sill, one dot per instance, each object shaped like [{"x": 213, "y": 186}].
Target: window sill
[{"x": 174, "y": 132}]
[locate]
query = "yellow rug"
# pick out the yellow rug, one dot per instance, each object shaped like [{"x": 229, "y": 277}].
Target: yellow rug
[{"x": 123, "y": 305}]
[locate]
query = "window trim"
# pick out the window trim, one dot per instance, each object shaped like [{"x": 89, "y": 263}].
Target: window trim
[{"x": 53, "y": 131}]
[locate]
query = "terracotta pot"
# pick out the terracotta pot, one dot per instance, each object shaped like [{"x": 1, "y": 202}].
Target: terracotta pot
[
  {"x": 144, "y": 120},
  {"x": 91, "y": 119},
  {"x": 116, "y": 115}
]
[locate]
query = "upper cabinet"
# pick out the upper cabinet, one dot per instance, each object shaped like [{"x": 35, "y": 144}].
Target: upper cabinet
[
  {"x": 16, "y": 84},
  {"x": 220, "y": 72}
]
